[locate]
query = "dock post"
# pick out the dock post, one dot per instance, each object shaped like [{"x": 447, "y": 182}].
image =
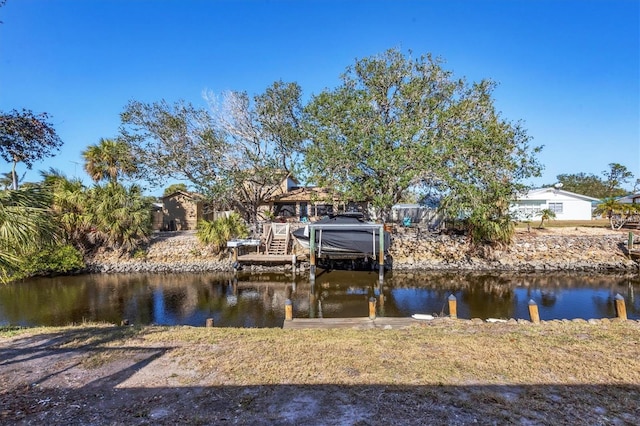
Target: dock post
[
  {"x": 235, "y": 254},
  {"x": 381, "y": 255},
  {"x": 288, "y": 310},
  {"x": 621, "y": 308},
  {"x": 630, "y": 244},
  {"x": 372, "y": 308},
  {"x": 312, "y": 254},
  {"x": 453, "y": 306},
  {"x": 209, "y": 323},
  {"x": 533, "y": 312}
]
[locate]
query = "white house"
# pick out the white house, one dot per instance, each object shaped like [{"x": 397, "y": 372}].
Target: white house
[
  {"x": 566, "y": 205},
  {"x": 629, "y": 199}
]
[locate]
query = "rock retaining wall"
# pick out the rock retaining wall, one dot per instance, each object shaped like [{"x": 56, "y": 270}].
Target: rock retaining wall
[
  {"x": 166, "y": 252},
  {"x": 528, "y": 252},
  {"x": 181, "y": 252}
]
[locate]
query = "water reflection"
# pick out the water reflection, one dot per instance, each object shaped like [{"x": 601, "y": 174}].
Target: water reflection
[{"x": 258, "y": 300}]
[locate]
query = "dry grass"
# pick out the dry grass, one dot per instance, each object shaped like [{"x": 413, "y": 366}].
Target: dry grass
[
  {"x": 454, "y": 353},
  {"x": 454, "y": 372}
]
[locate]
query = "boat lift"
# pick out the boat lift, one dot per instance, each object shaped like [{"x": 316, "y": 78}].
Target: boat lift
[{"x": 319, "y": 227}]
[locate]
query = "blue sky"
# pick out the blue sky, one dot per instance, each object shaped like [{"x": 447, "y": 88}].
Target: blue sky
[{"x": 568, "y": 69}]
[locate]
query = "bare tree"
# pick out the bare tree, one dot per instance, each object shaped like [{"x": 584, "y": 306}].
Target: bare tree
[
  {"x": 177, "y": 141},
  {"x": 264, "y": 139}
]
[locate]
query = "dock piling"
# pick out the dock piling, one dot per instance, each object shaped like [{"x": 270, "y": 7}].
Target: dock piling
[
  {"x": 372, "y": 308},
  {"x": 381, "y": 255},
  {"x": 453, "y": 306},
  {"x": 621, "y": 308},
  {"x": 209, "y": 323},
  {"x": 533, "y": 312},
  {"x": 312, "y": 254},
  {"x": 288, "y": 310}
]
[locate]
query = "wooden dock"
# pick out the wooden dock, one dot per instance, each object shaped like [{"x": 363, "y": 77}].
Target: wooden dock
[
  {"x": 260, "y": 258},
  {"x": 361, "y": 323}
]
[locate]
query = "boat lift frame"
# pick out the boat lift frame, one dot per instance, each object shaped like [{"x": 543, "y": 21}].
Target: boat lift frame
[{"x": 320, "y": 227}]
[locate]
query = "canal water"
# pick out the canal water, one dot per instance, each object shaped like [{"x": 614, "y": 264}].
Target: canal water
[{"x": 258, "y": 300}]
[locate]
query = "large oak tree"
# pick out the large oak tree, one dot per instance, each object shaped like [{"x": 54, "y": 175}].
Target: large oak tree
[{"x": 398, "y": 122}]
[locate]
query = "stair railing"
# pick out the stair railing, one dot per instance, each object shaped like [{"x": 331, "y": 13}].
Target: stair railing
[{"x": 267, "y": 244}]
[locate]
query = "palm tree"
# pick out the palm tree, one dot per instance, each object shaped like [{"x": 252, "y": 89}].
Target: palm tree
[
  {"x": 25, "y": 225},
  {"x": 108, "y": 160},
  {"x": 69, "y": 205},
  {"x": 121, "y": 216},
  {"x": 7, "y": 180},
  {"x": 547, "y": 215},
  {"x": 106, "y": 215},
  {"x": 611, "y": 208}
]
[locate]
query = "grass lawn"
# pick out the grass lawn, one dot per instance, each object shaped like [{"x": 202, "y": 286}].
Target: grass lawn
[{"x": 453, "y": 372}]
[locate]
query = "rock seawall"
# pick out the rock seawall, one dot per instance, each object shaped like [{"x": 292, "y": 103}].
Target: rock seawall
[
  {"x": 166, "y": 252},
  {"x": 535, "y": 251},
  {"x": 547, "y": 250}
]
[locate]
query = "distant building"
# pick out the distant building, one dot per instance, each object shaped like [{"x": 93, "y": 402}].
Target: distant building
[
  {"x": 413, "y": 213},
  {"x": 181, "y": 211},
  {"x": 630, "y": 199},
  {"x": 566, "y": 205},
  {"x": 299, "y": 203}
]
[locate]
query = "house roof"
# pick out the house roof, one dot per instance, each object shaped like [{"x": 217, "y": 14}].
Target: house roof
[
  {"x": 547, "y": 193},
  {"x": 633, "y": 198},
  {"x": 190, "y": 195},
  {"x": 301, "y": 194}
]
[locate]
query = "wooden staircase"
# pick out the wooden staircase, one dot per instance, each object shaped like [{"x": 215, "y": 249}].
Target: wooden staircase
[
  {"x": 277, "y": 246},
  {"x": 278, "y": 239}
]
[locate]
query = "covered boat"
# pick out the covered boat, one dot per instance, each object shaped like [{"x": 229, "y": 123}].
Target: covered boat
[{"x": 344, "y": 235}]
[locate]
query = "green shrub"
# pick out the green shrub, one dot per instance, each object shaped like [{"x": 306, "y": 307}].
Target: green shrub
[
  {"x": 140, "y": 254},
  {"x": 217, "y": 232},
  {"x": 51, "y": 260},
  {"x": 491, "y": 230}
]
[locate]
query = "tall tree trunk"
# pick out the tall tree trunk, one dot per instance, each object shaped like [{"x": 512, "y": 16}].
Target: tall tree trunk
[{"x": 14, "y": 175}]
